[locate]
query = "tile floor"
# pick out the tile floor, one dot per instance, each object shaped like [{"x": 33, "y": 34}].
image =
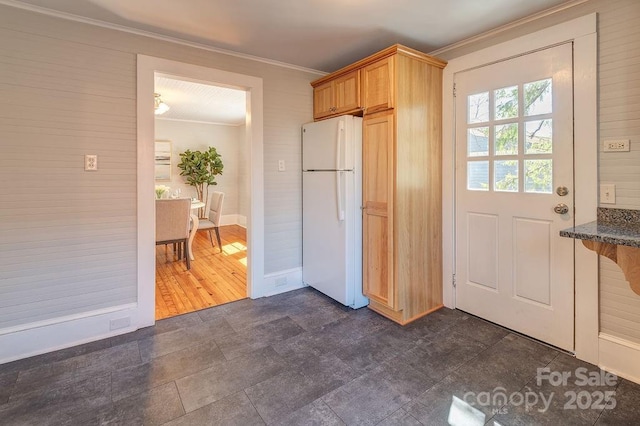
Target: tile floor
[{"x": 299, "y": 358}]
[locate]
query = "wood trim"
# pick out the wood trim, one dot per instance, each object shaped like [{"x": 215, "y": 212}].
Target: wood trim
[
  {"x": 389, "y": 51},
  {"x": 398, "y": 316},
  {"x": 627, "y": 258}
]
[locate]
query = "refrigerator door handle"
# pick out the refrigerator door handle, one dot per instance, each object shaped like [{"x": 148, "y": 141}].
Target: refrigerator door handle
[
  {"x": 339, "y": 196},
  {"x": 339, "y": 140}
]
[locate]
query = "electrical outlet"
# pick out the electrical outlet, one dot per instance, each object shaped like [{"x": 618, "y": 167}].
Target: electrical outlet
[
  {"x": 115, "y": 324},
  {"x": 91, "y": 162},
  {"x": 607, "y": 193},
  {"x": 616, "y": 145},
  {"x": 281, "y": 167}
]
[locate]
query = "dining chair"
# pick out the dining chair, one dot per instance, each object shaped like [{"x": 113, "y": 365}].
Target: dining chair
[
  {"x": 212, "y": 221},
  {"x": 173, "y": 217}
]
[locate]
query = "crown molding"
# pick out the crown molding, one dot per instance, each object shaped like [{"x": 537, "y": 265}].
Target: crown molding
[
  {"x": 150, "y": 34},
  {"x": 510, "y": 25}
]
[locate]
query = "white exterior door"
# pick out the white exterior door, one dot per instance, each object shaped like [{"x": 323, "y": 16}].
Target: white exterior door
[{"x": 514, "y": 177}]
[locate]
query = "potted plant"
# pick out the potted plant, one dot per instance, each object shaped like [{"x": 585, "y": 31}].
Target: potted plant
[{"x": 200, "y": 169}]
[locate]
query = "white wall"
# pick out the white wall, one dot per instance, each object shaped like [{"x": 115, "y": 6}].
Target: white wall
[
  {"x": 619, "y": 117},
  {"x": 68, "y": 237},
  {"x": 228, "y": 141}
]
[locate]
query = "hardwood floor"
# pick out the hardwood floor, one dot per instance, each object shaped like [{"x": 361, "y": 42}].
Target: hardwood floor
[{"x": 214, "y": 279}]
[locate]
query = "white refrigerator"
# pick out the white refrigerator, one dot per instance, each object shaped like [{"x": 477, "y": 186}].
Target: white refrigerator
[{"x": 331, "y": 215}]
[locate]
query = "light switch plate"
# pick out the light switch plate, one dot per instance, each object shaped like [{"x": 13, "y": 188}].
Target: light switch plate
[
  {"x": 607, "y": 193},
  {"x": 91, "y": 162}
]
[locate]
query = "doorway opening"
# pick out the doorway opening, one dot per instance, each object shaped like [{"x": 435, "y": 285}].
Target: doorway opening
[
  {"x": 194, "y": 117},
  {"x": 147, "y": 68}
]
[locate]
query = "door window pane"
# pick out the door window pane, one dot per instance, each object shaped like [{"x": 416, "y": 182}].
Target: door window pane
[
  {"x": 478, "y": 108},
  {"x": 538, "y": 98},
  {"x": 506, "y": 175},
  {"x": 478, "y": 141},
  {"x": 538, "y": 176},
  {"x": 538, "y": 137},
  {"x": 478, "y": 175},
  {"x": 506, "y": 139},
  {"x": 506, "y": 102}
]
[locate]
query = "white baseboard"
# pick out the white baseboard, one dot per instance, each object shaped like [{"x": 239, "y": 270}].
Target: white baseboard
[
  {"x": 620, "y": 357},
  {"x": 283, "y": 281},
  {"x": 60, "y": 333},
  {"x": 233, "y": 219}
]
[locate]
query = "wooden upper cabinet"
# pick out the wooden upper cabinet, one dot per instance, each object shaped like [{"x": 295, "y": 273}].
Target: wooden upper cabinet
[
  {"x": 323, "y": 100},
  {"x": 378, "y": 85},
  {"x": 337, "y": 96}
]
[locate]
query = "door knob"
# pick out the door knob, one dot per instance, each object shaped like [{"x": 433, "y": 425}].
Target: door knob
[{"x": 561, "y": 208}]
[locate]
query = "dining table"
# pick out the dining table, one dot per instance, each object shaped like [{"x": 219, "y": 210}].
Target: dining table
[{"x": 195, "y": 221}]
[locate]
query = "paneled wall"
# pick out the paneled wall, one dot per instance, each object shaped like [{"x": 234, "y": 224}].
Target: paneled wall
[
  {"x": 68, "y": 237},
  {"x": 619, "y": 117}
]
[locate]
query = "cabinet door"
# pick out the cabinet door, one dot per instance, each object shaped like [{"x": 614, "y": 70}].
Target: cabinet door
[
  {"x": 377, "y": 219},
  {"x": 377, "y": 86},
  {"x": 323, "y": 100},
  {"x": 347, "y": 92}
]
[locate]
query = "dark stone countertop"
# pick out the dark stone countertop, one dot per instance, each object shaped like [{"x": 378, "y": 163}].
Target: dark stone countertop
[{"x": 614, "y": 226}]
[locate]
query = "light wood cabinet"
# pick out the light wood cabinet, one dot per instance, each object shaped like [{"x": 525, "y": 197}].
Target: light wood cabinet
[
  {"x": 377, "y": 85},
  {"x": 401, "y": 188},
  {"x": 377, "y": 212},
  {"x": 337, "y": 96}
]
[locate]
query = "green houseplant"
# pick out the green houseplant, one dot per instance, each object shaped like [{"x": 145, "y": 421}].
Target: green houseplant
[{"x": 200, "y": 169}]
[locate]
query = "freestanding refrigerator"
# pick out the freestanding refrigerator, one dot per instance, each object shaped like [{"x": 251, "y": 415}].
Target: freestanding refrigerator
[{"x": 331, "y": 215}]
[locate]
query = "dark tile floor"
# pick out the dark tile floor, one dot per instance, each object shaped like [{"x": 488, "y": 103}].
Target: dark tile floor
[{"x": 300, "y": 359}]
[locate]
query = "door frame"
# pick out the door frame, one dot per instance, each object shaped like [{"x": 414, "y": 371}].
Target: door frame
[
  {"x": 147, "y": 67},
  {"x": 582, "y": 33}
]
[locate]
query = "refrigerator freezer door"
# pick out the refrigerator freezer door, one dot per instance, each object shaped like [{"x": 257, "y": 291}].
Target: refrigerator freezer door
[
  {"x": 327, "y": 258},
  {"x": 329, "y": 144}
]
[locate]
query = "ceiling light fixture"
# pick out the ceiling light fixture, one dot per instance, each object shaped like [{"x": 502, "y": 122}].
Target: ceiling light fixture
[{"x": 160, "y": 107}]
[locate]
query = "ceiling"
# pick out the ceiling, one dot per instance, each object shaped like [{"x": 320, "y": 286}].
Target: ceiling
[
  {"x": 192, "y": 101},
  {"x": 321, "y": 35},
  {"x": 318, "y": 34}
]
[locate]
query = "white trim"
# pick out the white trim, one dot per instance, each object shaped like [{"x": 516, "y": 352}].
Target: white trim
[
  {"x": 283, "y": 281},
  {"x": 66, "y": 332},
  {"x": 147, "y": 68},
  {"x": 506, "y": 27},
  {"x": 117, "y": 27},
  {"x": 585, "y": 135},
  {"x": 67, "y": 318},
  {"x": 582, "y": 31},
  {"x": 620, "y": 357},
  {"x": 199, "y": 121},
  {"x": 231, "y": 219}
]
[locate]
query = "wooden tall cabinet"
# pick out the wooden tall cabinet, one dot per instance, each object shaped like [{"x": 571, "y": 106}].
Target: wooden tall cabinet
[{"x": 401, "y": 97}]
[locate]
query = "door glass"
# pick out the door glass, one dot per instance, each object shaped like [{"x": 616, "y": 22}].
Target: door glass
[
  {"x": 506, "y": 173},
  {"x": 478, "y": 108},
  {"x": 478, "y": 175},
  {"x": 538, "y": 176},
  {"x": 506, "y": 102},
  {"x": 537, "y": 97},
  {"x": 538, "y": 137},
  {"x": 478, "y": 141},
  {"x": 516, "y": 142},
  {"x": 506, "y": 139}
]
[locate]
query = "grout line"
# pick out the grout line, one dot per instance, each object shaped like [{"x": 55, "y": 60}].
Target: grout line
[{"x": 252, "y": 404}]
